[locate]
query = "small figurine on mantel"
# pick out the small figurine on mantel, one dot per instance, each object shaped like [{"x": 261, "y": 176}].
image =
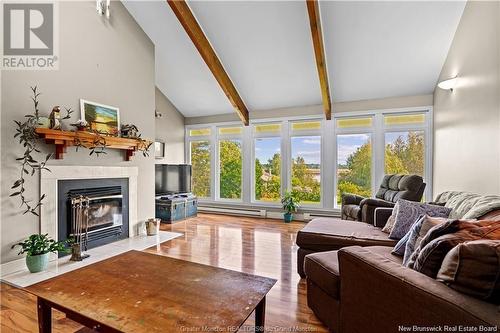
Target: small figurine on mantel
[
  {"x": 129, "y": 131},
  {"x": 55, "y": 118},
  {"x": 81, "y": 125}
]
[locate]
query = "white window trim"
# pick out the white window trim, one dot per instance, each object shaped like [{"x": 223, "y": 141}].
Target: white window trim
[{"x": 328, "y": 135}]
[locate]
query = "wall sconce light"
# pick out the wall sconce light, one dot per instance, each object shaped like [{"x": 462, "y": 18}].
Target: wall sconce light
[
  {"x": 102, "y": 7},
  {"x": 158, "y": 114},
  {"x": 448, "y": 84}
]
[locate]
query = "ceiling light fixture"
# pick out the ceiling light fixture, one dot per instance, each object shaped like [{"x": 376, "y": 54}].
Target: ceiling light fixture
[{"x": 448, "y": 84}]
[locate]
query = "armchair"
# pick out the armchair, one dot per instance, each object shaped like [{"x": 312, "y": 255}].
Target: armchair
[{"x": 393, "y": 188}]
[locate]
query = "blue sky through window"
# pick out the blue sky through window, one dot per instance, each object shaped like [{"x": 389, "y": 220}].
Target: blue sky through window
[
  {"x": 347, "y": 144},
  {"x": 265, "y": 148},
  {"x": 308, "y": 147}
]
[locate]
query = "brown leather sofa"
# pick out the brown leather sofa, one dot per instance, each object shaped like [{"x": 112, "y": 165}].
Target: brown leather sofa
[
  {"x": 393, "y": 188},
  {"x": 356, "y": 285}
]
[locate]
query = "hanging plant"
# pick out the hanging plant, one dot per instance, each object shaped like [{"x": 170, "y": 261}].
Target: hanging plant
[
  {"x": 97, "y": 145},
  {"x": 28, "y": 138},
  {"x": 25, "y": 132}
]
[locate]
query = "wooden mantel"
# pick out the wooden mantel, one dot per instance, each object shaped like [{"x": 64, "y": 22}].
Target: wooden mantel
[{"x": 64, "y": 139}]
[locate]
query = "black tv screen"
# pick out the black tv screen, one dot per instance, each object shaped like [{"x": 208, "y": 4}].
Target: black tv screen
[{"x": 172, "y": 178}]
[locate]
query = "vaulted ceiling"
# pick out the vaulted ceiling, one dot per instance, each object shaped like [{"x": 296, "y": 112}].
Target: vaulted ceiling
[{"x": 373, "y": 49}]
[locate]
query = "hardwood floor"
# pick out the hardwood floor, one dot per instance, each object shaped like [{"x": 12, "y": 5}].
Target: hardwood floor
[{"x": 257, "y": 246}]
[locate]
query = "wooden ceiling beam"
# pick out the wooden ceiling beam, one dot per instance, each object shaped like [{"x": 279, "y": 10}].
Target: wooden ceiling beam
[
  {"x": 201, "y": 42},
  {"x": 319, "y": 52}
]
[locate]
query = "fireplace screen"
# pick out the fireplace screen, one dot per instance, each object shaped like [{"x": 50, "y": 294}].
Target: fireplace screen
[{"x": 95, "y": 213}]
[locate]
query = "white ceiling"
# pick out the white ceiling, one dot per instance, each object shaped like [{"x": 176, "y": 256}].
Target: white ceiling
[
  {"x": 373, "y": 50},
  {"x": 387, "y": 49}
]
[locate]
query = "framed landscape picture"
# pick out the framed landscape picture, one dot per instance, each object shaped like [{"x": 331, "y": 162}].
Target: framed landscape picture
[{"x": 102, "y": 118}]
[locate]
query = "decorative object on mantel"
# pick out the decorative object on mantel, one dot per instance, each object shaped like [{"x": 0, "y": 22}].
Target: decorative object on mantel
[
  {"x": 290, "y": 205},
  {"x": 55, "y": 117},
  {"x": 130, "y": 131},
  {"x": 102, "y": 118},
  {"x": 81, "y": 125},
  {"x": 152, "y": 226},
  {"x": 37, "y": 248}
]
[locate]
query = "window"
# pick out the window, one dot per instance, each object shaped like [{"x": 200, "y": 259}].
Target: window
[
  {"x": 354, "y": 156},
  {"x": 230, "y": 169},
  {"x": 267, "y": 169},
  {"x": 230, "y": 162},
  {"x": 268, "y": 162},
  {"x": 354, "y": 165},
  {"x": 316, "y": 160},
  {"x": 200, "y": 161},
  {"x": 405, "y": 143},
  {"x": 305, "y": 144}
]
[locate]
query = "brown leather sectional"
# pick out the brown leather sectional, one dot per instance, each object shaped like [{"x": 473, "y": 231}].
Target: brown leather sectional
[{"x": 355, "y": 284}]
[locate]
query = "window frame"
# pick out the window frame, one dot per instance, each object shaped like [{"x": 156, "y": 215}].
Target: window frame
[
  {"x": 255, "y": 136},
  {"x": 305, "y": 133}
]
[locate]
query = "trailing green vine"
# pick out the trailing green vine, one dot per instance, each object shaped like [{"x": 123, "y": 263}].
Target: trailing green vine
[{"x": 25, "y": 131}]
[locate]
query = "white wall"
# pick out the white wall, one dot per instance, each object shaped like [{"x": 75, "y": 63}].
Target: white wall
[
  {"x": 169, "y": 129},
  {"x": 467, "y": 120},
  {"x": 111, "y": 62}
]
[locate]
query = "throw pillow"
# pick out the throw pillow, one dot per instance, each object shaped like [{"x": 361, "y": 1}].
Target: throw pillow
[
  {"x": 473, "y": 268},
  {"x": 407, "y": 245},
  {"x": 409, "y": 211},
  {"x": 390, "y": 221},
  {"x": 431, "y": 255},
  {"x": 419, "y": 233},
  {"x": 399, "y": 249}
]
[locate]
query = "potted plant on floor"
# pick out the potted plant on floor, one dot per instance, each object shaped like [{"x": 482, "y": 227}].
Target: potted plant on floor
[
  {"x": 37, "y": 248},
  {"x": 290, "y": 205}
]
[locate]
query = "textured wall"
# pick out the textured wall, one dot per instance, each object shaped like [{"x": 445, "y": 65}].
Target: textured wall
[
  {"x": 111, "y": 62},
  {"x": 170, "y": 129},
  {"x": 467, "y": 120}
]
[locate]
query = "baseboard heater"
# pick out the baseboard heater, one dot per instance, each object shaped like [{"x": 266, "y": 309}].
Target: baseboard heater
[
  {"x": 234, "y": 211},
  {"x": 310, "y": 216}
]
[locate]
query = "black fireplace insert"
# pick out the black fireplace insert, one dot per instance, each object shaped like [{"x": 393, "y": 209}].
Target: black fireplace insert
[{"x": 105, "y": 205}]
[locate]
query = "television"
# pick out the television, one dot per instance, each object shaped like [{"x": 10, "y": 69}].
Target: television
[{"x": 172, "y": 179}]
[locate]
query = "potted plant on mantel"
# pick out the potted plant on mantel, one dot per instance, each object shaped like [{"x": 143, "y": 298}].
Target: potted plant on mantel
[
  {"x": 37, "y": 248},
  {"x": 290, "y": 205}
]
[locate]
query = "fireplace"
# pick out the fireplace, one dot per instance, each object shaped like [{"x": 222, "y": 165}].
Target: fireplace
[{"x": 94, "y": 211}]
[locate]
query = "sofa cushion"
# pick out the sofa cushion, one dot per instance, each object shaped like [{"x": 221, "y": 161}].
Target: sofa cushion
[
  {"x": 408, "y": 212},
  {"x": 327, "y": 234},
  {"x": 433, "y": 249},
  {"x": 322, "y": 268},
  {"x": 473, "y": 268},
  {"x": 352, "y": 212},
  {"x": 394, "y": 187}
]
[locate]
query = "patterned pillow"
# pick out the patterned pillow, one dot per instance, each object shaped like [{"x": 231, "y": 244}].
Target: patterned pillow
[
  {"x": 432, "y": 253},
  {"x": 409, "y": 211},
  {"x": 419, "y": 233},
  {"x": 472, "y": 268},
  {"x": 390, "y": 221},
  {"x": 407, "y": 245}
]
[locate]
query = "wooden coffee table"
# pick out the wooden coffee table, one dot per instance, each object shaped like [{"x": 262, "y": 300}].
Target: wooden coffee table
[{"x": 143, "y": 292}]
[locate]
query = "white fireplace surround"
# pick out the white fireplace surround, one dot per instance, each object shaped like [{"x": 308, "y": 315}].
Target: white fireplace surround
[{"x": 48, "y": 186}]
